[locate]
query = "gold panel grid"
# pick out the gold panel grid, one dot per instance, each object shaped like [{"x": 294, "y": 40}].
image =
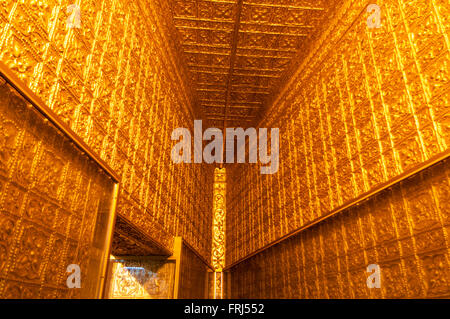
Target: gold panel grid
[
  {"x": 118, "y": 83},
  {"x": 364, "y": 107},
  {"x": 56, "y": 207},
  {"x": 237, "y": 50}
]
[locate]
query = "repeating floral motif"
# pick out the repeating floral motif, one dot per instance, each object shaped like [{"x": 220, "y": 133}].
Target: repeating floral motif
[
  {"x": 119, "y": 83},
  {"x": 364, "y": 106},
  {"x": 219, "y": 206},
  {"x": 43, "y": 226},
  {"x": 330, "y": 259}
]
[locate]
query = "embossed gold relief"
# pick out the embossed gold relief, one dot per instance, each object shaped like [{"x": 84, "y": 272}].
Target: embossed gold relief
[
  {"x": 193, "y": 274},
  {"x": 141, "y": 278},
  {"x": 237, "y": 51},
  {"x": 365, "y": 106},
  {"x": 55, "y": 207},
  {"x": 404, "y": 230},
  {"x": 119, "y": 83}
]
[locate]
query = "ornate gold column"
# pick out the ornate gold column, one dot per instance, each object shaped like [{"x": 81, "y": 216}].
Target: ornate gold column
[{"x": 218, "y": 243}]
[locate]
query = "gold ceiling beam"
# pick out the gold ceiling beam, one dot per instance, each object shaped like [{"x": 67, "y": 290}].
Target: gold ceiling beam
[
  {"x": 236, "y": 85},
  {"x": 209, "y": 72},
  {"x": 250, "y": 92},
  {"x": 240, "y": 69},
  {"x": 258, "y": 75},
  {"x": 275, "y": 33},
  {"x": 207, "y": 53},
  {"x": 210, "y": 84},
  {"x": 232, "y": 91},
  {"x": 251, "y": 86},
  {"x": 267, "y": 49},
  {"x": 230, "y": 117},
  {"x": 218, "y": 1},
  {"x": 206, "y": 66},
  {"x": 194, "y": 19},
  {"x": 242, "y": 55},
  {"x": 217, "y": 116},
  {"x": 232, "y": 106},
  {"x": 277, "y": 25},
  {"x": 242, "y": 31},
  {"x": 211, "y": 90},
  {"x": 283, "y": 6},
  {"x": 238, "y": 74},
  {"x": 263, "y": 56},
  {"x": 214, "y": 46},
  {"x": 244, "y": 102},
  {"x": 236, "y": 102},
  {"x": 202, "y": 28}
]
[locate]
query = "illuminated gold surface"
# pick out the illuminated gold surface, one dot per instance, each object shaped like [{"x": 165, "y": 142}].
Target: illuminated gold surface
[
  {"x": 364, "y": 107},
  {"x": 404, "y": 230},
  {"x": 119, "y": 84},
  {"x": 356, "y": 108},
  {"x": 238, "y": 50},
  {"x": 55, "y": 207},
  {"x": 141, "y": 278}
]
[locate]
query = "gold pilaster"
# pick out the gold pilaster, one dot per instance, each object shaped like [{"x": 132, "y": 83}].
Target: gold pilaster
[{"x": 218, "y": 243}]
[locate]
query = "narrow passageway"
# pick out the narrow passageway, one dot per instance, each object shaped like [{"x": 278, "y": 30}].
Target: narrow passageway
[{"x": 189, "y": 149}]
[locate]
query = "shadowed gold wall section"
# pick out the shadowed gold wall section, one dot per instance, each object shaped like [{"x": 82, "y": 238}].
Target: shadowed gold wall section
[
  {"x": 405, "y": 230},
  {"x": 118, "y": 83},
  {"x": 55, "y": 206},
  {"x": 365, "y": 106},
  {"x": 193, "y": 276}
]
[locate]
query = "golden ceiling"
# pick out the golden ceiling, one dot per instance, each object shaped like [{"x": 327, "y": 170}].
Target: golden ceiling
[{"x": 237, "y": 51}]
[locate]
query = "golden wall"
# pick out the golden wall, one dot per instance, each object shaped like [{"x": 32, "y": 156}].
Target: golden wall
[
  {"x": 118, "y": 83},
  {"x": 365, "y": 106},
  {"x": 55, "y": 207},
  {"x": 405, "y": 230}
]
